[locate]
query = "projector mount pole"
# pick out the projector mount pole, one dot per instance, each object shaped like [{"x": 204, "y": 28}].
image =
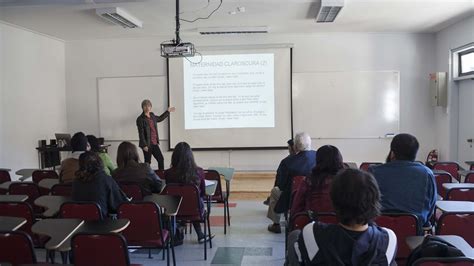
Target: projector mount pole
[{"x": 178, "y": 39}]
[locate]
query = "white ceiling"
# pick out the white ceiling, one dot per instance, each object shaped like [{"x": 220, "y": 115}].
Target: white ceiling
[{"x": 76, "y": 19}]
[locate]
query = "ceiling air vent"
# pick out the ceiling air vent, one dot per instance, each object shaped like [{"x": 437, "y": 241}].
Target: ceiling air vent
[
  {"x": 119, "y": 16},
  {"x": 329, "y": 10},
  {"x": 232, "y": 30}
]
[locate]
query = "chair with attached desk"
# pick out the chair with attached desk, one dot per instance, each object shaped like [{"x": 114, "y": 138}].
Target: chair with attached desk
[
  {"x": 88, "y": 211},
  {"x": 403, "y": 225},
  {"x": 16, "y": 248},
  {"x": 450, "y": 167},
  {"x": 111, "y": 247},
  {"x": 39, "y": 175},
  {"x": 460, "y": 224},
  {"x": 4, "y": 176},
  {"x": 440, "y": 179},
  {"x": 190, "y": 210},
  {"x": 146, "y": 227},
  {"x": 32, "y": 190},
  {"x": 132, "y": 190},
  {"x": 460, "y": 194},
  {"x": 23, "y": 210},
  {"x": 469, "y": 177},
  {"x": 219, "y": 196},
  {"x": 366, "y": 165},
  {"x": 64, "y": 190}
]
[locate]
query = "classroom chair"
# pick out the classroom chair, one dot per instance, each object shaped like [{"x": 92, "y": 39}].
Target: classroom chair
[
  {"x": 89, "y": 211},
  {"x": 219, "y": 196},
  {"x": 4, "y": 176},
  {"x": 30, "y": 189},
  {"x": 460, "y": 194},
  {"x": 366, "y": 165},
  {"x": 403, "y": 225},
  {"x": 190, "y": 210},
  {"x": 469, "y": 178},
  {"x": 450, "y": 167},
  {"x": 460, "y": 224},
  {"x": 64, "y": 190},
  {"x": 146, "y": 227},
  {"x": 100, "y": 249},
  {"x": 440, "y": 179},
  {"x": 16, "y": 247}
]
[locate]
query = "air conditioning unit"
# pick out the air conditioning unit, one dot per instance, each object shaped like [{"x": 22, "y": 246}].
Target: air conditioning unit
[
  {"x": 232, "y": 30},
  {"x": 329, "y": 10},
  {"x": 119, "y": 16}
]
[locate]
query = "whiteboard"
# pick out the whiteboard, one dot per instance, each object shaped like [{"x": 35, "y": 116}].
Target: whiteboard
[
  {"x": 120, "y": 100},
  {"x": 346, "y": 104}
]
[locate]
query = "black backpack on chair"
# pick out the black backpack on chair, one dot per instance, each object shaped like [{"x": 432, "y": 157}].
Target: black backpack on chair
[{"x": 433, "y": 246}]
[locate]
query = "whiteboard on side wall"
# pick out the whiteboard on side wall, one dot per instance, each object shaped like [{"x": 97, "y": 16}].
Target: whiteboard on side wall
[
  {"x": 362, "y": 104},
  {"x": 120, "y": 104}
]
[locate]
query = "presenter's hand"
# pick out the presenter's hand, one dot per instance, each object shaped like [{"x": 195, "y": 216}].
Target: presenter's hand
[
  {"x": 171, "y": 109},
  {"x": 145, "y": 149}
]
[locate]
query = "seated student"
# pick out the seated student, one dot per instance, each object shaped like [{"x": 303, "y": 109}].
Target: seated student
[
  {"x": 184, "y": 170},
  {"x": 70, "y": 165},
  {"x": 406, "y": 185},
  {"x": 291, "y": 151},
  {"x": 313, "y": 192},
  {"x": 92, "y": 184},
  {"x": 131, "y": 170},
  {"x": 109, "y": 166},
  {"x": 354, "y": 241},
  {"x": 299, "y": 164}
]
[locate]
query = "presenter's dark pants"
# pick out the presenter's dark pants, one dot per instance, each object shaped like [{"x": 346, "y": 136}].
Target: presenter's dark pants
[{"x": 155, "y": 150}]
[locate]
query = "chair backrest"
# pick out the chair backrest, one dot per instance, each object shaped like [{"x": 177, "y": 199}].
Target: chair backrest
[
  {"x": 440, "y": 180},
  {"x": 469, "y": 177},
  {"x": 450, "y": 167},
  {"x": 299, "y": 220},
  {"x": 62, "y": 190},
  {"x": 403, "y": 225},
  {"x": 326, "y": 217},
  {"x": 295, "y": 183},
  {"x": 145, "y": 221},
  {"x": 190, "y": 205},
  {"x": 214, "y": 175},
  {"x": 453, "y": 261},
  {"x": 461, "y": 194},
  {"x": 89, "y": 211},
  {"x": 99, "y": 250},
  {"x": 132, "y": 190},
  {"x": 39, "y": 175},
  {"x": 16, "y": 248},
  {"x": 27, "y": 188},
  {"x": 366, "y": 165},
  {"x": 472, "y": 167},
  {"x": 160, "y": 173},
  {"x": 4, "y": 176},
  {"x": 19, "y": 209},
  {"x": 457, "y": 224}
]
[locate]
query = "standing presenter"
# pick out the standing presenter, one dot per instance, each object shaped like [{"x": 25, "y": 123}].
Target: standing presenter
[{"x": 148, "y": 133}]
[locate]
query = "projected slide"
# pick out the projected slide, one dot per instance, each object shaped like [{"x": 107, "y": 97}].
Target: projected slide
[{"x": 229, "y": 91}]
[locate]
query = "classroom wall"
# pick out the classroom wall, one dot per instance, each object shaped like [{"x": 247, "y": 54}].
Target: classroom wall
[
  {"x": 411, "y": 54},
  {"x": 446, "y": 119},
  {"x": 33, "y": 101}
]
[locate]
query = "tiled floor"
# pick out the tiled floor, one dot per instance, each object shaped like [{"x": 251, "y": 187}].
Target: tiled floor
[{"x": 247, "y": 242}]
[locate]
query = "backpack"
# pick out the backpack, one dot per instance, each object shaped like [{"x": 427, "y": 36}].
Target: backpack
[{"x": 433, "y": 246}]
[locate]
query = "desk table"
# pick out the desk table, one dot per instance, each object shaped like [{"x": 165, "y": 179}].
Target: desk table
[
  {"x": 13, "y": 198},
  {"x": 11, "y": 223},
  {"x": 449, "y": 186},
  {"x": 51, "y": 203},
  {"x": 455, "y": 206},
  {"x": 48, "y": 183},
  {"x": 5, "y": 185},
  {"x": 25, "y": 173},
  {"x": 457, "y": 241}
]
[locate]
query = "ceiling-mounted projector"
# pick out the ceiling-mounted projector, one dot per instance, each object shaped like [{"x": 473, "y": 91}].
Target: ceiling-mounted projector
[
  {"x": 171, "y": 49},
  {"x": 329, "y": 10},
  {"x": 119, "y": 16}
]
